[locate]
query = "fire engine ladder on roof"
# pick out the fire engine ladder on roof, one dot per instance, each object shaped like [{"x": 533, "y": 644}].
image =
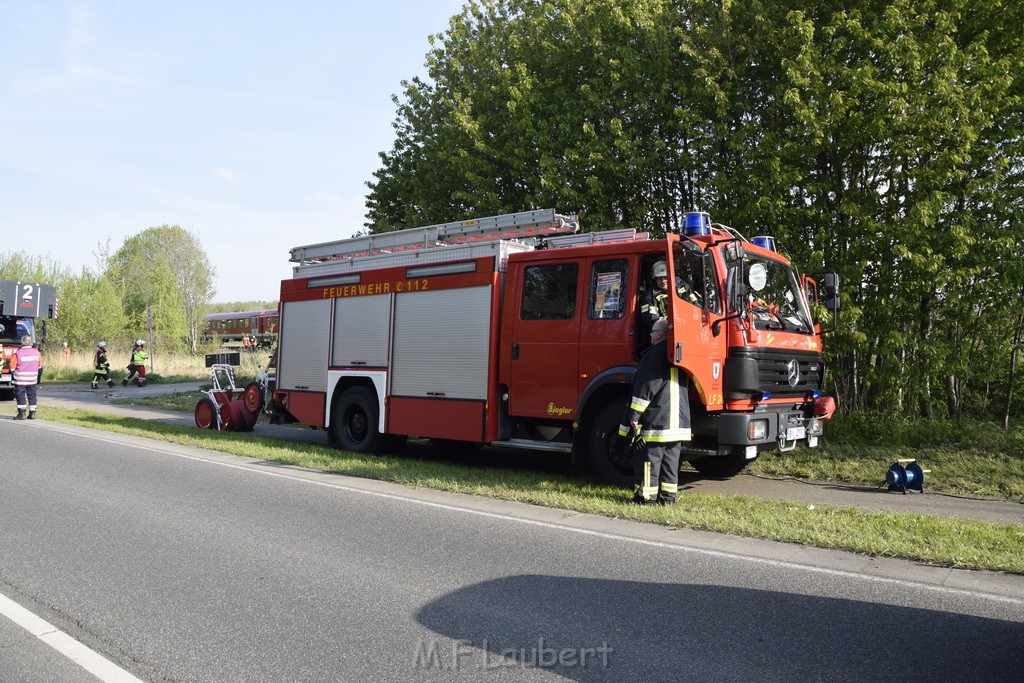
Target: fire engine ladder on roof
[{"x": 526, "y": 225}]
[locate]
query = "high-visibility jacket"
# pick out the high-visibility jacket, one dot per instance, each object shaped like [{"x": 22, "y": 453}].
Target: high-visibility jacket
[
  {"x": 653, "y": 307},
  {"x": 100, "y": 361},
  {"x": 660, "y": 401},
  {"x": 25, "y": 365},
  {"x": 139, "y": 357}
]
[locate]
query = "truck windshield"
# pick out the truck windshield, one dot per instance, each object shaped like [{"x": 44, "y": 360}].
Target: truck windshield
[
  {"x": 13, "y": 329},
  {"x": 780, "y": 305}
]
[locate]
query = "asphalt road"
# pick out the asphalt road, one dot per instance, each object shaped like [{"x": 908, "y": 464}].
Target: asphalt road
[
  {"x": 180, "y": 564},
  {"x": 1000, "y": 511}
]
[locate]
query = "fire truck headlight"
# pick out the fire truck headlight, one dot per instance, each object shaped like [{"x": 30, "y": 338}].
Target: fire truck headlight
[{"x": 757, "y": 430}]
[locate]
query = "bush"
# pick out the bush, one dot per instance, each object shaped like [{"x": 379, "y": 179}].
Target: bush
[{"x": 900, "y": 431}]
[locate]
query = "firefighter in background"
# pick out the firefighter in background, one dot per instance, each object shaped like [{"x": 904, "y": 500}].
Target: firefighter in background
[
  {"x": 659, "y": 415},
  {"x": 101, "y": 366},
  {"x": 137, "y": 366},
  {"x": 25, "y": 365},
  {"x": 245, "y": 342}
]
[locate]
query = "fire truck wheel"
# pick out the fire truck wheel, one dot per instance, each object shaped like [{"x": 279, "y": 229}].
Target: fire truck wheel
[
  {"x": 609, "y": 458},
  {"x": 721, "y": 466},
  {"x": 253, "y": 397},
  {"x": 206, "y": 413},
  {"x": 354, "y": 422}
]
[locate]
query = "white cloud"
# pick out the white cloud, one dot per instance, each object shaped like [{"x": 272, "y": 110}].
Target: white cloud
[{"x": 227, "y": 176}]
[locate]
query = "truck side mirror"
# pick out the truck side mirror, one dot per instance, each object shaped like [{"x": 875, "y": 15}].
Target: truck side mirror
[
  {"x": 734, "y": 251},
  {"x": 830, "y": 293}
]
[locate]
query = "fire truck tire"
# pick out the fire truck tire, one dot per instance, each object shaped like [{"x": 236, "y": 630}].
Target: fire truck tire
[
  {"x": 721, "y": 466},
  {"x": 354, "y": 422},
  {"x": 206, "y": 413},
  {"x": 253, "y": 397},
  {"x": 607, "y": 453}
]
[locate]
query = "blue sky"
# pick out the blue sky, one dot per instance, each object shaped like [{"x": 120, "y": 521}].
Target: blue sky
[{"x": 254, "y": 125}]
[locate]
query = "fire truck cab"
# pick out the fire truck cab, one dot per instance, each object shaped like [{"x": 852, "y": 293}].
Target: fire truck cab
[
  {"x": 20, "y": 304},
  {"x": 519, "y": 331}
]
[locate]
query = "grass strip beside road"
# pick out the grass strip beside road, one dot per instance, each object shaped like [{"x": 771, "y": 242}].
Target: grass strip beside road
[{"x": 940, "y": 541}]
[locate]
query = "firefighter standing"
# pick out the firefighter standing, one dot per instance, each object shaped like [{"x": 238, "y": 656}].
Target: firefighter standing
[
  {"x": 101, "y": 366},
  {"x": 137, "y": 367},
  {"x": 25, "y": 365},
  {"x": 658, "y": 413}
]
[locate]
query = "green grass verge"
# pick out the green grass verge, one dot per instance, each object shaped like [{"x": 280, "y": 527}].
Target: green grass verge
[
  {"x": 990, "y": 465},
  {"x": 934, "y": 540}
]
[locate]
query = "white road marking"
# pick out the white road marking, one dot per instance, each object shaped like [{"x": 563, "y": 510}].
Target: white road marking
[{"x": 90, "y": 660}]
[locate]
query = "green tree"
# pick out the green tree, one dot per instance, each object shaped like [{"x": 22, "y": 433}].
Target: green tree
[
  {"x": 166, "y": 268},
  {"x": 881, "y": 139},
  {"x": 90, "y": 311}
]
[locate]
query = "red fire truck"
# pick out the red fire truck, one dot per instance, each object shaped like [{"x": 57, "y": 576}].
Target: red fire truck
[
  {"x": 20, "y": 304},
  {"x": 520, "y": 331}
]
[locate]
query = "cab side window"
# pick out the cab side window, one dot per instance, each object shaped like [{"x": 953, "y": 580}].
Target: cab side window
[
  {"x": 689, "y": 285},
  {"x": 714, "y": 302},
  {"x": 549, "y": 292},
  {"x": 607, "y": 290},
  {"x": 695, "y": 279}
]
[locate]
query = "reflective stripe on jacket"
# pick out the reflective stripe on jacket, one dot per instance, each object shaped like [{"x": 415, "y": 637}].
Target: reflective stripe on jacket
[
  {"x": 26, "y": 362},
  {"x": 660, "y": 401}
]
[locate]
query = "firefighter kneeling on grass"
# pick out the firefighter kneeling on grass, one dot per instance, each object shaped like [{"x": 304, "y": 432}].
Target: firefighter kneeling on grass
[{"x": 659, "y": 415}]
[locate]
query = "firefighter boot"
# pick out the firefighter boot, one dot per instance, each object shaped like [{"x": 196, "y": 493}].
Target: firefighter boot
[
  {"x": 94, "y": 385},
  {"x": 20, "y": 415},
  {"x": 31, "y": 415},
  {"x": 124, "y": 382},
  {"x": 110, "y": 383}
]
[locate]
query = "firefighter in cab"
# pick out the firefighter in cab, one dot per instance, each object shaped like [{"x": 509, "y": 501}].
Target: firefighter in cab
[{"x": 654, "y": 305}]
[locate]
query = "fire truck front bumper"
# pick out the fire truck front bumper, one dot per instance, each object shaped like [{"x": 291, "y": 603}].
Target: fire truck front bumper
[{"x": 771, "y": 428}]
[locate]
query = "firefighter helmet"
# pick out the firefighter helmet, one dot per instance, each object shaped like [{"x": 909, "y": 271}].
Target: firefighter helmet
[
  {"x": 102, "y": 345},
  {"x": 659, "y": 270},
  {"x": 140, "y": 342}
]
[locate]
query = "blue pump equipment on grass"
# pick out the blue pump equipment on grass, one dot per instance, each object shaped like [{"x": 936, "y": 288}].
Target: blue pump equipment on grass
[{"x": 904, "y": 475}]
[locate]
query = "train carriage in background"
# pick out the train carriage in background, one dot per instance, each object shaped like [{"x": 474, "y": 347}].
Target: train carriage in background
[{"x": 230, "y": 327}]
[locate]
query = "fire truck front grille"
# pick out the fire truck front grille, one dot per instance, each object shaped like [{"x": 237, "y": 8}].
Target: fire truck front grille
[
  {"x": 793, "y": 375},
  {"x": 778, "y": 372}
]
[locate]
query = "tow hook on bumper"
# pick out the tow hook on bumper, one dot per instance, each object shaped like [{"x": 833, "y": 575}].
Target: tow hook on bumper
[{"x": 798, "y": 429}]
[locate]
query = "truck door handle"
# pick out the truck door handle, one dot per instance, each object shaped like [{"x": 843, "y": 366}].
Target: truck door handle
[{"x": 515, "y": 352}]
